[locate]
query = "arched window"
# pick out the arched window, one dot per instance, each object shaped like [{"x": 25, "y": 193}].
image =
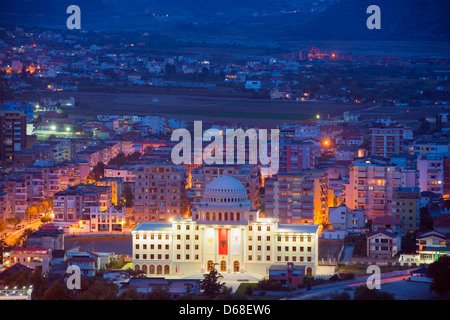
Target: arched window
[
  {"x": 214, "y": 216},
  {"x": 226, "y": 216},
  {"x": 166, "y": 269},
  {"x": 144, "y": 268},
  {"x": 159, "y": 269},
  {"x": 220, "y": 216},
  {"x": 309, "y": 272},
  {"x": 210, "y": 265},
  {"x": 231, "y": 216},
  {"x": 238, "y": 216},
  {"x": 207, "y": 216},
  {"x": 152, "y": 269},
  {"x": 223, "y": 266},
  {"x": 137, "y": 267},
  {"x": 236, "y": 266}
]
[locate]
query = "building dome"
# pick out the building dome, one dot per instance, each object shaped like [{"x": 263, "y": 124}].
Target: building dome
[
  {"x": 225, "y": 184},
  {"x": 226, "y": 190}
]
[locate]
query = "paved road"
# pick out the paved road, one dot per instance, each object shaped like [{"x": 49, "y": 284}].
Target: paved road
[
  {"x": 11, "y": 239},
  {"x": 349, "y": 284}
]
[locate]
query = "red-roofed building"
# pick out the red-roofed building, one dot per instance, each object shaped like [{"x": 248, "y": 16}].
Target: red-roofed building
[{"x": 387, "y": 223}]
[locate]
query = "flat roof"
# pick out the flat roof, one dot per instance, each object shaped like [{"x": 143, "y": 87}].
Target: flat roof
[
  {"x": 297, "y": 228},
  {"x": 153, "y": 226}
]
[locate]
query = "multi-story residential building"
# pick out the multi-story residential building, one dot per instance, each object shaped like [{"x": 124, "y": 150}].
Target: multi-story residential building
[
  {"x": 126, "y": 173},
  {"x": 13, "y": 135},
  {"x": 298, "y": 197},
  {"x": 371, "y": 186},
  {"x": 431, "y": 172},
  {"x": 13, "y": 196},
  {"x": 225, "y": 231},
  {"x": 446, "y": 184},
  {"x": 426, "y": 145},
  {"x": 159, "y": 191},
  {"x": 100, "y": 153},
  {"x": 386, "y": 141},
  {"x": 5, "y": 204},
  {"x": 298, "y": 154},
  {"x": 405, "y": 207},
  {"x": 77, "y": 202},
  {"x": 117, "y": 186},
  {"x": 42, "y": 180}
]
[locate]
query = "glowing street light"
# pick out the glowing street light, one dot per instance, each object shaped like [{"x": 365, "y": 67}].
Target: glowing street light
[{"x": 53, "y": 128}]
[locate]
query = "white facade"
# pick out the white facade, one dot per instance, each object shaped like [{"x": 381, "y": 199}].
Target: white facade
[
  {"x": 342, "y": 218},
  {"x": 224, "y": 232}
]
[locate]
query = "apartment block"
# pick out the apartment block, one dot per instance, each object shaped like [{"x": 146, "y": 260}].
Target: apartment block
[
  {"x": 386, "y": 141},
  {"x": 298, "y": 197},
  {"x": 371, "y": 186},
  {"x": 405, "y": 207},
  {"x": 298, "y": 154},
  {"x": 13, "y": 135},
  {"x": 431, "y": 172},
  {"x": 77, "y": 202},
  {"x": 159, "y": 191}
]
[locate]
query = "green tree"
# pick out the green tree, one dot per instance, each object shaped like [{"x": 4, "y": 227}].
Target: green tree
[
  {"x": 39, "y": 283},
  {"x": 98, "y": 289},
  {"x": 98, "y": 172},
  {"x": 340, "y": 296},
  {"x": 31, "y": 212},
  {"x": 211, "y": 286},
  {"x": 170, "y": 68},
  {"x": 159, "y": 293},
  {"x": 3, "y": 226},
  {"x": 130, "y": 294},
  {"x": 440, "y": 272},
  {"x": 57, "y": 291},
  {"x": 135, "y": 273},
  {"x": 127, "y": 197},
  {"x": 426, "y": 221},
  {"x": 364, "y": 293}
]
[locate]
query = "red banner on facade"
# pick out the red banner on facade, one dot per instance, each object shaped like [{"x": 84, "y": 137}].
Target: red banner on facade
[{"x": 223, "y": 241}]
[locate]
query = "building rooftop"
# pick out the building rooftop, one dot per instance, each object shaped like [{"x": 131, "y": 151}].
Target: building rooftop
[
  {"x": 153, "y": 226},
  {"x": 297, "y": 228}
]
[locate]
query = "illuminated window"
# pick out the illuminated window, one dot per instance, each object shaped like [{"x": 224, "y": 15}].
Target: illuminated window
[
  {"x": 166, "y": 269},
  {"x": 159, "y": 269},
  {"x": 236, "y": 266},
  {"x": 223, "y": 266},
  {"x": 210, "y": 265}
]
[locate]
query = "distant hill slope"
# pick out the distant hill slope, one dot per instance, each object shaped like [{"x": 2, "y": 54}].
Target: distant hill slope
[
  {"x": 409, "y": 20},
  {"x": 406, "y": 20}
]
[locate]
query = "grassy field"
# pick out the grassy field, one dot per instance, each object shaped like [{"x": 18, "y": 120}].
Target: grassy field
[{"x": 197, "y": 104}]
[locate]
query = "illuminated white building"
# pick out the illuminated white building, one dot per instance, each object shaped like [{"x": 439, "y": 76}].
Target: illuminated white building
[{"x": 226, "y": 232}]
